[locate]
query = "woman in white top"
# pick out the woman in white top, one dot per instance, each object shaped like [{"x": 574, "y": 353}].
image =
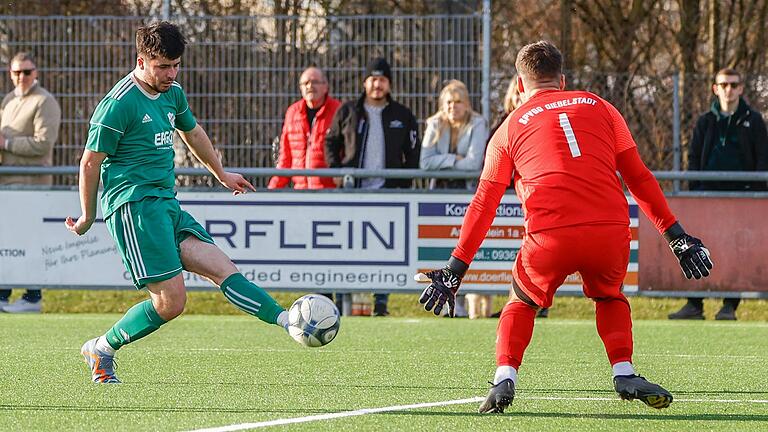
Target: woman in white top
[{"x": 455, "y": 137}]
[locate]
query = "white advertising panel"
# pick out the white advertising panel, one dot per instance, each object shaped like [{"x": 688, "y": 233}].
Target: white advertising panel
[{"x": 291, "y": 241}]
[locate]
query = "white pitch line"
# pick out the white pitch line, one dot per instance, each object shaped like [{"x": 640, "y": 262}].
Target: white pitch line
[
  {"x": 281, "y": 422},
  {"x": 342, "y": 414}
]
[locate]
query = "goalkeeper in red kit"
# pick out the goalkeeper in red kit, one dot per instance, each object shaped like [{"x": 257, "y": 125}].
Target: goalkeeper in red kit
[{"x": 562, "y": 150}]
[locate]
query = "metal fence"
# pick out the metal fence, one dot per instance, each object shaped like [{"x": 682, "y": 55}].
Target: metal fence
[
  {"x": 661, "y": 110},
  {"x": 241, "y": 73}
]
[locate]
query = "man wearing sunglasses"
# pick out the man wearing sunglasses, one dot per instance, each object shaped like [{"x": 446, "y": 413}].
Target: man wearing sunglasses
[
  {"x": 731, "y": 136},
  {"x": 29, "y": 125}
]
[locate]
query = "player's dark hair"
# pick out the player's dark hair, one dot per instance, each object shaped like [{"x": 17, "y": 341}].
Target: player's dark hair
[
  {"x": 160, "y": 39},
  {"x": 727, "y": 72},
  {"x": 539, "y": 61}
]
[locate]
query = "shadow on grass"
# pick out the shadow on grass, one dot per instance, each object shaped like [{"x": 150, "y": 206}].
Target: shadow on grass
[
  {"x": 307, "y": 384},
  {"x": 135, "y": 409},
  {"x": 414, "y": 413},
  {"x": 565, "y": 415},
  {"x": 717, "y": 392},
  {"x": 607, "y": 391},
  {"x": 611, "y": 392}
]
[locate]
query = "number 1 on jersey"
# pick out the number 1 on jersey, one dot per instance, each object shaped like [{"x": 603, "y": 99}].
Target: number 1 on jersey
[{"x": 565, "y": 124}]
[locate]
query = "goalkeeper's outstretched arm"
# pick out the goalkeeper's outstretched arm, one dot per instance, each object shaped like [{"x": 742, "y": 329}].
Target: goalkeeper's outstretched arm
[
  {"x": 444, "y": 283},
  {"x": 693, "y": 257},
  {"x": 478, "y": 219}
]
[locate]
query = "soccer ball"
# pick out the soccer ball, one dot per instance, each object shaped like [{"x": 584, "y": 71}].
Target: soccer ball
[{"x": 313, "y": 320}]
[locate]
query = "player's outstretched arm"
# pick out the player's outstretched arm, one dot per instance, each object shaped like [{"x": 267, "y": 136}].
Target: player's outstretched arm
[
  {"x": 90, "y": 171},
  {"x": 200, "y": 145},
  {"x": 644, "y": 189},
  {"x": 443, "y": 285},
  {"x": 445, "y": 282},
  {"x": 693, "y": 257}
]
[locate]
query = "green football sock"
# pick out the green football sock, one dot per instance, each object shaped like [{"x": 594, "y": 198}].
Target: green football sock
[
  {"x": 140, "y": 320},
  {"x": 251, "y": 299}
]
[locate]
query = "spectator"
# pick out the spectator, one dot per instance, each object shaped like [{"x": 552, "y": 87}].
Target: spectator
[
  {"x": 302, "y": 143},
  {"x": 731, "y": 136},
  {"x": 29, "y": 127},
  {"x": 477, "y": 305},
  {"x": 512, "y": 100},
  {"x": 374, "y": 132},
  {"x": 455, "y": 139}
]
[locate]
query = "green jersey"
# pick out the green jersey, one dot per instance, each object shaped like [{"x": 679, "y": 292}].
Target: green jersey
[{"x": 135, "y": 129}]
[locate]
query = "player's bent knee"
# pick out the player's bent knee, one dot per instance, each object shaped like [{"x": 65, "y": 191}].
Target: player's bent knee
[
  {"x": 169, "y": 297},
  {"x": 620, "y": 298},
  {"x": 169, "y": 309},
  {"x": 516, "y": 294}
]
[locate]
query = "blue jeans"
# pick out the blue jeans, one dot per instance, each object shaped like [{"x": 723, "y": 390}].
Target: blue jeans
[{"x": 381, "y": 299}]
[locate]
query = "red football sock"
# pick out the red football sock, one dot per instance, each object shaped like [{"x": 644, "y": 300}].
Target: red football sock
[
  {"x": 514, "y": 333},
  {"x": 614, "y": 325}
]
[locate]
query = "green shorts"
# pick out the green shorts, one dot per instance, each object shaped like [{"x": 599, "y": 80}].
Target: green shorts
[{"x": 148, "y": 234}]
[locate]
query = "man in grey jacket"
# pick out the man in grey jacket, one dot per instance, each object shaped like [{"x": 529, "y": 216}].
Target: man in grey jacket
[{"x": 29, "y": 126}]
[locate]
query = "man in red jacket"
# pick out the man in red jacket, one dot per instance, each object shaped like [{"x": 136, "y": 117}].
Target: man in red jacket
[
  {"x": 302, "y": 143},
  {"x": 562, "y": 150}
]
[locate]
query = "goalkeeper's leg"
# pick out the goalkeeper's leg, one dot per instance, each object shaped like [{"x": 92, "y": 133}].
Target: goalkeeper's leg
[
  {"x": 537, "y": 274},
  {"x": 513, "y": 335},
  {"x": 512, "y": 338},
  {"x": 603, "y": 274},
  {"x": 603, "y": 266},
  {"x": 614, "y": 325}
]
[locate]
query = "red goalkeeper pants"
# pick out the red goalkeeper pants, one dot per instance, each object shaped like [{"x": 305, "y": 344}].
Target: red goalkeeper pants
[{"x": 600, "y": 253}]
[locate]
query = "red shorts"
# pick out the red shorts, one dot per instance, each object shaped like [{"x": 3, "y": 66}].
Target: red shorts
[{"x": 600, "y": 253}]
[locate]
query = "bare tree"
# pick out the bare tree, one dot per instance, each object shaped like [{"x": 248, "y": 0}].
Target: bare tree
[{"x": 627, "y": 52}]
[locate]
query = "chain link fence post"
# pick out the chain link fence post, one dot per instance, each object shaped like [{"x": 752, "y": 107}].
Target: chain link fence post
[
  {"x": 676, "y": 150},
  {"x": 485, "y": 99}
]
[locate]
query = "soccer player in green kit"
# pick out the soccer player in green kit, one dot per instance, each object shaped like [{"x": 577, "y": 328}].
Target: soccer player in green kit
[{"x": 130, "y": 149}]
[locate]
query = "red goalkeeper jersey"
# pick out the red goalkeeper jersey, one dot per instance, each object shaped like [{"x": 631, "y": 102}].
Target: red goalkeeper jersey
[{"x": 560, "y": 149}]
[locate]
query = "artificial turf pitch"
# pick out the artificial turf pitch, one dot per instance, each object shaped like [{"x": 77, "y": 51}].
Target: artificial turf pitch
[{"x": 205, "y": 371}]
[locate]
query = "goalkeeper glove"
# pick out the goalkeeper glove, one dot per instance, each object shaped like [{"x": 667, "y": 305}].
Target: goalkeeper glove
[
  {"x": 693, "y": 256},
  {"x": 443, "y": 286}
]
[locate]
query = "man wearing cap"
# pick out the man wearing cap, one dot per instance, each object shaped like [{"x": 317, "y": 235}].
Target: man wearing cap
[{"x": 374, "y": 132}]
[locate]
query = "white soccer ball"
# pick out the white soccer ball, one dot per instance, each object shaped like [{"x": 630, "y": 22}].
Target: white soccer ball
[{"x": 313, "y": 320}]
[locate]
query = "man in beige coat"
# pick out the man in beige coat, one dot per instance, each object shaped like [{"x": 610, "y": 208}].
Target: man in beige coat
[{"x": 29, "y": 126}]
